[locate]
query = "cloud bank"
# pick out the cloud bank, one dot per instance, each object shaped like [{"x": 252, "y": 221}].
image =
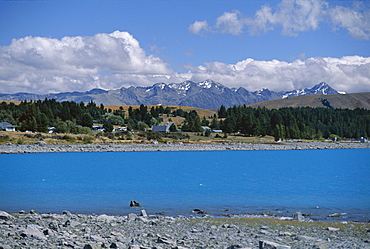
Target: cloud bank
[
  {"x": 39, "y": 64},
  {"x": 111, "y": 61},
  {"x": 350, "y": 73},
  {"x": 292, "y": 17}
]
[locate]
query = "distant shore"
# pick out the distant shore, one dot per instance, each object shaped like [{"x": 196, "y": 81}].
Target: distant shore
[{"x": 42, "y": 147}]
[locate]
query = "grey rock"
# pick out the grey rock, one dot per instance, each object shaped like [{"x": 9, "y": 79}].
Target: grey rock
[
  {"x": 143, "y": 213},
  {"x": 132, "y": 216},
  {"x": 307, "y": 238},
  {"x": 166, "y": 241},
  {"x": 263, "y": 244},
  {"x": 5, "y": 216},
  {"x": 106, "y": 218},
  {"x": 134, "y": 204},
  {"x": 335, "y": 215},
  {"x": 92, "y": 246},
  {"x": 333, "y": 229},
  {"x": 32, "y": 231},
  {"x": 298, "y": 216},
  {"x": 66, "y": 212}
]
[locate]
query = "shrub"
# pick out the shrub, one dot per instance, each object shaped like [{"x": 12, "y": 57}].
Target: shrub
[
  {"x": 335, "y": 137},
  {"x": 88, "y": 140},
  {"x": 109, "y": 135},
  {"x": 20, "y": 141},
  {"x": 84, "y": 130},
  {"x": 69, "y": 138},
  {"x": 4, "y": 138}
]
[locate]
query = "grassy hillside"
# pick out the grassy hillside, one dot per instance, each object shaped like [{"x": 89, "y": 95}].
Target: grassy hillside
[{"x": 350, "y": 101}]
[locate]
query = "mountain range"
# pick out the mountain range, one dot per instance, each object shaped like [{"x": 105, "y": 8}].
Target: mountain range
[{"x": 207, "y": 94}]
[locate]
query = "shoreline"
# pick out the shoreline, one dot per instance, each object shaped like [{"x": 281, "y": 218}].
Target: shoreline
[
  {"x": 42, "y": 147},
  {"x": 142, "y": 230}
]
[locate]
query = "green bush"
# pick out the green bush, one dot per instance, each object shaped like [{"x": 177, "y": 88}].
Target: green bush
[
  {"x": 88, "y": 140},
  {"x": 335, "y": 137},
  {"x": 4, "y": 138},
  {"x": 69, "y": 138},
  {"x": 84, "y": 130},
  {"x": 20, "y": 141}
]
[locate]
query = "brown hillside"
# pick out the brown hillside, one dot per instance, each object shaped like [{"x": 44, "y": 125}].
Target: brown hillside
[
  {"x": 201, "y": 112},
  {"x": 350, "y": 101}
]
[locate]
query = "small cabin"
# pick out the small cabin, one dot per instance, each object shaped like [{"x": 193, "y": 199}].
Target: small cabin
[
  {"x": 162, "y": 128},
  {"x": 5, "y": 126},
  {"x": 97, "y": 128}
]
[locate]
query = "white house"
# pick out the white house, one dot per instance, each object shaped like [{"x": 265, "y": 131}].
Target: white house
[{"x": 5, "y": 126}]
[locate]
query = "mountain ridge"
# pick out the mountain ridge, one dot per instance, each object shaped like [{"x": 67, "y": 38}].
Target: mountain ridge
[
  {"x": 206, "y": 94},
  {"x": 344, "y": 101}
]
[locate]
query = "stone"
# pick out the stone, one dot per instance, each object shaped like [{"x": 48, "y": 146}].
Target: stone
[
  {"x": 334, "y": 229},
  {"x": 106, "y": 218},
  {"x": 34, "y": 212},
  {"x": 166, "y": 241},
  {"x": 335, "y": 215},
  {"x": 134, "y": 204},
  {"x": 263, "y": 244},
  {"x": 5, "y": 216},
  {"x": 32, "y": 231},
  {"x": 298, "y": 216},
  {"x": 66, "y": 212},
  {"x": 132, "y": 216},
  {"x": 143, "y": 213},
  {"x": 307, "y": 238},
  {"x": 92, "y": 246}
]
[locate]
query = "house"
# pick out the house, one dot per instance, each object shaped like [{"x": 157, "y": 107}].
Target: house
[
  {"x": 217, "y": 131},
  {"x": 97, "y": 128},
  {"x": 123, "y": 128},
  {"x": 51, "y": 129},
  {"x": 5, "y": 126},
  {"x": 205, "y": 128},
  {"x": 162, "y": 128}
]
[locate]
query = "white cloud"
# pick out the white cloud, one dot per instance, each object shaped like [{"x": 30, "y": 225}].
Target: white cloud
[
  {"x": 198, "y": 27},
  {"x": 110, "y": 61},
  {"x": 293, "y": 17},
  {"x": 355, "y": 20},
  {"x": 230, "y": 23},
  {"x": 43, "y": 65},
  {"x": 350, "y": 73}
]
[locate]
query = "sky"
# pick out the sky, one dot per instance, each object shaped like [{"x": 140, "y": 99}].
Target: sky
[{"x": 64, "y": 46}]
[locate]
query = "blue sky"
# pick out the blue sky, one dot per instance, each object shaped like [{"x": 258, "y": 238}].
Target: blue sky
[{"x": 54, "y": 46}]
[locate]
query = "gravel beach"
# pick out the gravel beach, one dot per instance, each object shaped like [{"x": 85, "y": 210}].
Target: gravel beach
[
  {"x": 42, "y": 147},
  {"x": 140, "y": 230}
]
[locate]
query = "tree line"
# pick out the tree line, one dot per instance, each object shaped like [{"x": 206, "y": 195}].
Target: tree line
[
  {"x": 294, "y": 123},
  {"x": 71, "y": 117}
]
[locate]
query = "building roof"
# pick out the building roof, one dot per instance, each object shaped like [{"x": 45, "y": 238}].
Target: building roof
[
  {"x": 4, "y": 125},
  {"x": 162, "y": 128}
]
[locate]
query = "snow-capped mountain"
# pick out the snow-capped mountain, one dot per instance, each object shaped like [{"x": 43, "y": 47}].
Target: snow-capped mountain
[
  {"x": 321, "y": 88},
  {"x": 205, "y": 94}
]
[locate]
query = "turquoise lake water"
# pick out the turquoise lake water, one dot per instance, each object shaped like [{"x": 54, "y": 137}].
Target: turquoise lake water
[{"x": 314, "y": 181}]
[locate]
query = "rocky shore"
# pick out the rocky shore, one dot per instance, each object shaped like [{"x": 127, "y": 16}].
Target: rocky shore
[
  {"x": 42, "y": 147},
  {"x": 140, "y": 230}
]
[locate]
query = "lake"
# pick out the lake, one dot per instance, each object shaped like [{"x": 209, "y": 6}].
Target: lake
[{"x": 281, "y": 182}]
